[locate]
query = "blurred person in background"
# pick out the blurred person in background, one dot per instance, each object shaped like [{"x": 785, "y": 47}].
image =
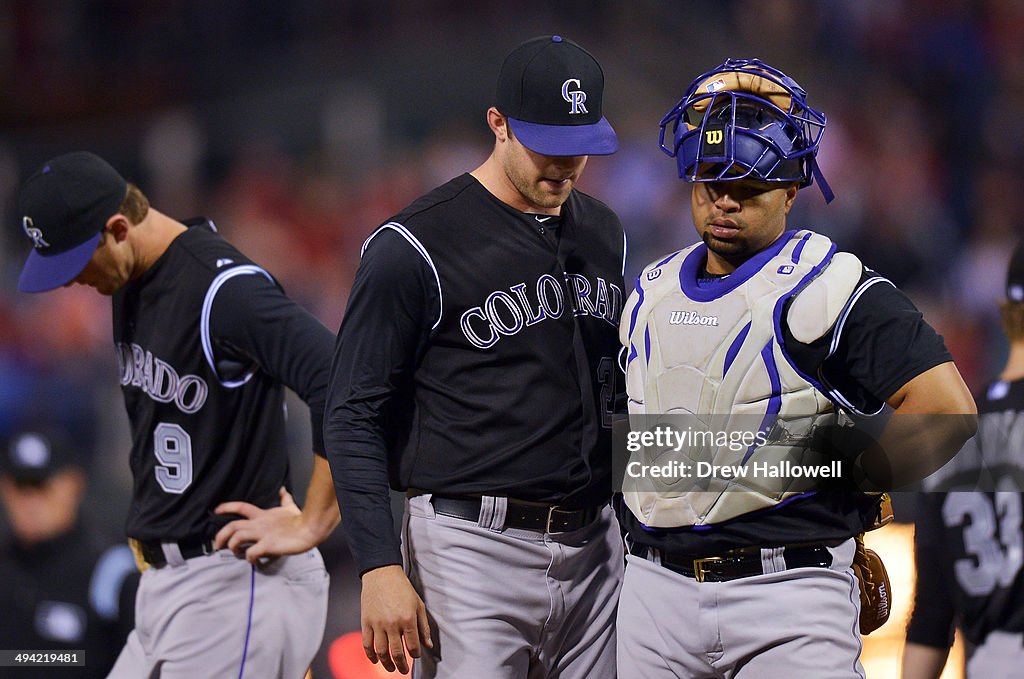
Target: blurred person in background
[
  {"x": 64, "y": 586},
  {"x": 969, "y": 547}
]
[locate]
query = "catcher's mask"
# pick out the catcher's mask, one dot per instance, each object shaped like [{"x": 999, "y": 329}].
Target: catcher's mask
[{"x": 743, "y": 120}]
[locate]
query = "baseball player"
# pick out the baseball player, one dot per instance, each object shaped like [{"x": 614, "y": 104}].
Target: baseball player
[
  {"x": 205, "y": 341},
  {"x": 64, "y": 586},
  {"x": 475, "y": 370},
  {"x": 753, "y": 581},
  {"x": 968, "y": 543}
]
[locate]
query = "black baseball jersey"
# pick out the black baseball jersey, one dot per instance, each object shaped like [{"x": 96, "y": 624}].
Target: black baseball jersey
[
  {"x": 205, "y": 341},
  {"x": 70, "y": 593},
  {"x": 968, "y": 543},
  {"x": 885, "y": 342},
  {"x": 477, "y": 356}
]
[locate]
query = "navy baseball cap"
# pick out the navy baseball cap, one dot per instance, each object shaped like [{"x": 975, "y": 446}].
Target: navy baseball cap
[
  {"x": 1015, "y": 275},
  {"x": 550, "y": 89},
  {"x": 64, "y": 207},
  {"x": 35, "y": 454}
]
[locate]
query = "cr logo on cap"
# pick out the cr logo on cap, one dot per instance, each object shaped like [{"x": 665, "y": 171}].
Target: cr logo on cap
[
  {"x": 35, "y": 234},
  {"x": 574, "y": 97}
]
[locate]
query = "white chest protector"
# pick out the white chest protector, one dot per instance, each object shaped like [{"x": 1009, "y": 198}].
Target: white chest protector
[{"x": 714, "y": 358}]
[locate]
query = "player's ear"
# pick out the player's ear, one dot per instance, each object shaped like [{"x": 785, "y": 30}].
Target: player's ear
[
  {"x": 498, "y": 124},
  {"x": 791, "y": 195},
  {"x": 117, "y": 226}
]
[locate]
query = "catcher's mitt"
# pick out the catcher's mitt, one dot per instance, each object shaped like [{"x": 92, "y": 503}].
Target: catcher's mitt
[{"x": 875, "y": 592}]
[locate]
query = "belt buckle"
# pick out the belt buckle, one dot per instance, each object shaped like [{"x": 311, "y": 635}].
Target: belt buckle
[
  {"x": 700, "y": 570},
  {"x": 551, "y": 514}
]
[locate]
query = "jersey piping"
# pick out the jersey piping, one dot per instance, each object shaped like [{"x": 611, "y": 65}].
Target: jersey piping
[
  {"x": 840, "y": 323},
  {"x": 204, "y": 320},
  {"x": 407, "y": 235}
]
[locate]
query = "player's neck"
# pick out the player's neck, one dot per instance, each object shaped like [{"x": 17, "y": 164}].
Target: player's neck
[
  {"x": 718, "y": 266},
  {"x": 155, "y": 234},
  {"x": 1014, "y": 369}
]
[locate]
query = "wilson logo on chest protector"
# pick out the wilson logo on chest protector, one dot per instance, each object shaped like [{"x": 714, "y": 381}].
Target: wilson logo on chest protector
[{"x": 691, "y": 318}]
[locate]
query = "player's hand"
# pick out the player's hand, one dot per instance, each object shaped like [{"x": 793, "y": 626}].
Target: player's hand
[
  {"x": 394, "y": 619},
  {"x": 265, "y": 532}
]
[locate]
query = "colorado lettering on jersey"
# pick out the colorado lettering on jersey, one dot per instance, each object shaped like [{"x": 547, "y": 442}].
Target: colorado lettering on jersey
[
  {"x": 159, "y": 380},
  {"x": 507, "y": 313}
]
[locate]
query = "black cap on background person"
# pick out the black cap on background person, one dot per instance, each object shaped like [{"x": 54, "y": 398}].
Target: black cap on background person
[
  {"x": 551, "y": 91},
  {"x": 34, "y": 454},
  {"x": 63, "y": 208},
  {"x": 1011, "y": 311},
  {"x": 1015, "y": 275}
]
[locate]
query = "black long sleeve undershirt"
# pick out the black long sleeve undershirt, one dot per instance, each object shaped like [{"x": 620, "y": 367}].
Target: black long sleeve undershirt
[
  {"x": 253, "y": 321},
  {"x": 392, "y": 306}
]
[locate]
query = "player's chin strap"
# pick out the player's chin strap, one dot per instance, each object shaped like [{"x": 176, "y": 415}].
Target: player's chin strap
[{"x": 826, "y": 190}]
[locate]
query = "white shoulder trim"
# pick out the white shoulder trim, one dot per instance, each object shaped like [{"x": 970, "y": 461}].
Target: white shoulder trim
[
  {"x": 625, "y": 249},
  {"x": 407, "y": 235},
  {"x": 841, "y": 322},
  {"x": 204, "y": 318},
  {"x": 834, "y": 393}
]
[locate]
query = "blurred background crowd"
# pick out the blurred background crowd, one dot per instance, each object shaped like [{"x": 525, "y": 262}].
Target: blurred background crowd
[{"x": 300, "y": 126}]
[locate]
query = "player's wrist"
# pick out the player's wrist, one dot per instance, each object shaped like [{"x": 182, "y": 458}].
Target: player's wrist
[
  {"x": 318, "y": 525},
  {"x": 381, "y": 571}
]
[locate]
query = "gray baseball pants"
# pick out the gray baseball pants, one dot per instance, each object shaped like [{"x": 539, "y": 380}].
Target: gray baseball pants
[
  {"x": 219, "y": 616},
  {"x": 514, "y": 604},
  {"x": 800, "y": 623},
  {"x": 1000, "y": 657}
]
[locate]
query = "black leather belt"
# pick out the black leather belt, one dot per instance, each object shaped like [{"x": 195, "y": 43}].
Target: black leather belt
[
  {"x": 743, "y": 563},
  {"x": 524, "y": 515},
  {"x": 153, "y": 552}
]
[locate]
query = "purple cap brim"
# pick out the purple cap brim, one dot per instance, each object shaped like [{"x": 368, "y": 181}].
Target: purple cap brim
[
  {"x": 42, "y": 273},
  {"x": 567, "y": 140}
]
